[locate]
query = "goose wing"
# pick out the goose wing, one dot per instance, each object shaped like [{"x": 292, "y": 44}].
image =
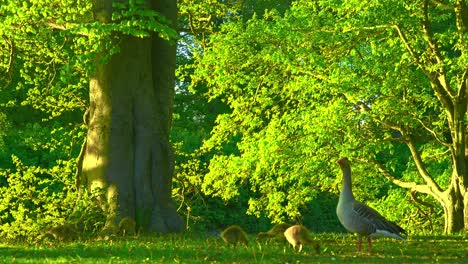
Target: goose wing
[{"x": 375, "y": 223}]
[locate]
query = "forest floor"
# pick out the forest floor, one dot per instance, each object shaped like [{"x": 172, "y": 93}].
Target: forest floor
[{"x": 199, "y": 248}]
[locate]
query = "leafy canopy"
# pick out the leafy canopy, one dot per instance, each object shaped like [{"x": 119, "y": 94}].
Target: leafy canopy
[{"x": 326, "y": 79}]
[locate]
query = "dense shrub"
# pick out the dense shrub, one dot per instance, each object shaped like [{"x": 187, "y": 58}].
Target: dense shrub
[{"x": 34, "y": 200}]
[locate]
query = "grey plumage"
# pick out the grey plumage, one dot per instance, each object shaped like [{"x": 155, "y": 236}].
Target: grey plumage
[{"x": 359, "y": 218}]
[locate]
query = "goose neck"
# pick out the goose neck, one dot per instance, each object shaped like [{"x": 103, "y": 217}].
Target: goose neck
[{"x": 347, "y": 185}]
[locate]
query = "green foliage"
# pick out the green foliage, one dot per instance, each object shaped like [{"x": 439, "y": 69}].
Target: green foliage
[
  {"x": 52, "y": 46},
  {"x": 320, "y": 215},
  {"x": 4, "y": 126},
  {"x": 269, "y": 109},
  {"x": 42, "y": 60},
  {"x": 48, "y": 53},
  {"x": 134, "y": 18},
  {"x": 320, "y": 81},
  {"x": 35, "y": 199}
]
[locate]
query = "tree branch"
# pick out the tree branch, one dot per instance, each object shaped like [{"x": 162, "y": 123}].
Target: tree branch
[
  {"x": 462, "y": 86},
  {"x": 415, "y": 198},
  {"x": 80, "y": 158},
  {"x": 192, "y": 27},
  {"x": 390, "y": 177},
  {"x": 461, "y": 17},
  {"x": 431, "y": 184},
  {"x": 11, "y": 45},
  {"x": 442, "y": 5},
  {"x": 408, "y": 47},
  {"x": 429, "y": 37},
  {"x": 442, "y": 93},
  {"x": 67, "y": 26},
  {"x": 367, "y": 28},
  {"x": 432, "y": 132},
  {"x": 413, "y": 186},
  {"x": 384, "y": 123}
]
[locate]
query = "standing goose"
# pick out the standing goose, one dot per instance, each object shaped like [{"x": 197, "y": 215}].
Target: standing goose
[{"x": 359, "y": 218}]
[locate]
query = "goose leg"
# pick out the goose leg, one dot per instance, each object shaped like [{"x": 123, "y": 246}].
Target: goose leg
[
  {"x": 369, "y": 244},
  {"x": 359, "y": 244}
]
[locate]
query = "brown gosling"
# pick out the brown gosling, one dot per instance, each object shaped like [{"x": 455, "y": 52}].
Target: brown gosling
[
  {"x": 127, "y": 227},
  {"x": 276, "y": 231},
  {"x": 65, "y": 232},
  {"x": 234, "y": 234},
  {"x": 299, "y": 235}
]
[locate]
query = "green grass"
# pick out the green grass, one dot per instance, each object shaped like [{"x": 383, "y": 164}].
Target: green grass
[{"x": 196, "y": 248}]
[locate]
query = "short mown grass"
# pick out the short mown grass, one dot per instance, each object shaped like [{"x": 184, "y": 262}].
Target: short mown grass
[{"x": 199, "y": 248}]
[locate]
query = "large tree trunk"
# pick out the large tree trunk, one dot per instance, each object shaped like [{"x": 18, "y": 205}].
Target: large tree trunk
[
  {"x": 453, "y": 199},
  {"x": 455, "y": 203},
  {"x": 128, "y": 155},
  {"x": 465, "y": 200},
  {"x": 453, "y": 210}
]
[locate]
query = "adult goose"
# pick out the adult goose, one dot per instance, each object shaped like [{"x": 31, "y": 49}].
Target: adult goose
[{"x": 359, "y": 218}]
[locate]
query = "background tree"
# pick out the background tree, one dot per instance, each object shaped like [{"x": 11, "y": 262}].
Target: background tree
[
  {"x": 195, "y": 116},
  {"x": 42, "y": 86},
  {"x": 50, "y": 51},
  {"x": 430, "y": 36},
  {"x": 127, "y": 154},
  {"x": 331, "y": 79}
]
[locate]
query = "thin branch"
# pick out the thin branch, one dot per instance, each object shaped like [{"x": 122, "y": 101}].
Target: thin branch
[
  {"x": 314, "y": 75},
  {"x": 393, "y": 139},
  {"x": 429, "y": 35},
  {"x": 444, "y": 86},
  {"x": 67, "y": 26},
  {"x": 415, "y": 198},
  {"x": 382, "y": 122},
  {"x": 442, "y": 93},
  {"x": 192, "y": 27},
  {"x": 408, "y": 47},
  {"x": 442, "y": 5},
  {"x": 79, "y": 160},
  {"x": 401, "y": 130},
  {"x": 11, "y": 45},
  {"x": 368, "y": 28},
  {"x": 443, "y": 96},
  {"x": 432, "y": 132},
  {"x": 54, "y": 25}
]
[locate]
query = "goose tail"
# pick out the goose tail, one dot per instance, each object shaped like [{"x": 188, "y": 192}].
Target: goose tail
[{"x": 386, "y": 233}]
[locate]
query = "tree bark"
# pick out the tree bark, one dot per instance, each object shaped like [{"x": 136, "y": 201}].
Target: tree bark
[
  {"x": 453, "y": 210},
  {"x": 465, "y": 200},
  {"x": 453, "y": 98},
  {"x": 453, "y": 199},
  {"x": 128, "y": 156}
]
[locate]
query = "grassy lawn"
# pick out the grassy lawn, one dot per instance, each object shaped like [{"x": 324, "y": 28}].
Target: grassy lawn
[{"x": 193, "y": 248}]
